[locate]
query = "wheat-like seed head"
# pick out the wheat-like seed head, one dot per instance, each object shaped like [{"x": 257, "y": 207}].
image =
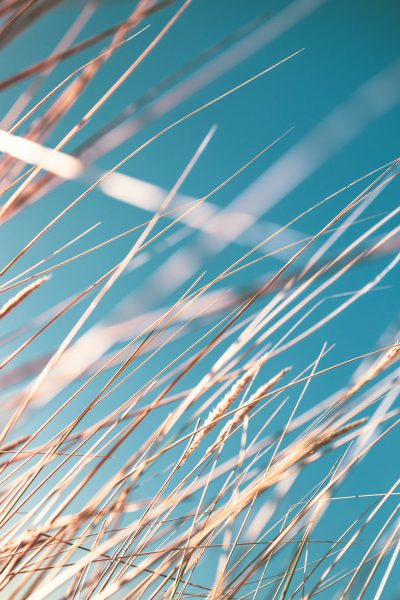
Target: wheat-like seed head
[{"x": 22, "y": 295}]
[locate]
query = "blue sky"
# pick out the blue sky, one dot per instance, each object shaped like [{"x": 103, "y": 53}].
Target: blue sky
[{"x": 340, "y": 99}]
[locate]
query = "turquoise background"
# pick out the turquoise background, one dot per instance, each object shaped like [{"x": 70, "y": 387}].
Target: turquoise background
[{"x": 342, "y": 97}]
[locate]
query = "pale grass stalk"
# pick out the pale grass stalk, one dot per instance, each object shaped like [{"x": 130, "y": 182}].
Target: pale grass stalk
[
  {"x": 22, "y": 295},
  {"x": 381, "y": 555},
  {"x": 370, "y": 548},
  {"x": 381, "y": 364},
  {"x": 219, "y": 410},
  {"x": 246, "y": 496},
  {"x": 244, "y": 410},
  {"x": 388, "y": 571},
  {"x": 314, "y": 501},
  {"x": 111, "y": 493}
]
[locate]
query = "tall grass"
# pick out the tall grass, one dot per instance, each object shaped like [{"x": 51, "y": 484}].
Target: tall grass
[{"x": 166, "y": 447}]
